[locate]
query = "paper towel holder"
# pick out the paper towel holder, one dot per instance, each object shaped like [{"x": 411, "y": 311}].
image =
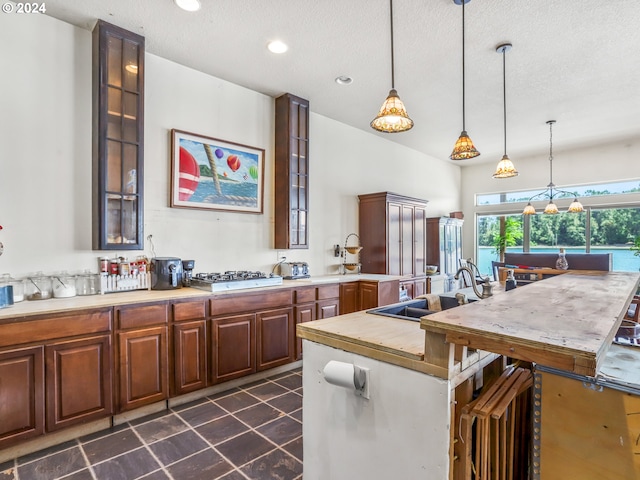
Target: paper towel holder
[{"x": 359, "y": 380}]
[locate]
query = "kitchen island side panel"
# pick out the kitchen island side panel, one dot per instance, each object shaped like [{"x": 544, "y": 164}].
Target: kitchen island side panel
[{"x": 402, "y": 431}]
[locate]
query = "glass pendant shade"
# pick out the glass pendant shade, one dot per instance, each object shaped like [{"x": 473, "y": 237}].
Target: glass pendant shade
[
  {"x": 529, "y": 210},
  {"x": 392, "y": 117},
  {"x": 464, "y": 148},
  {"x": 551, "y": 208},
  {"x": 505, "y": 168},
  {"x": 576, "y": 206}
]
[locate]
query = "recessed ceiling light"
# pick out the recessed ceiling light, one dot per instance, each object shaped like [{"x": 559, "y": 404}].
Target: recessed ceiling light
[
  {"x": 344, "y": 80},
  {"x": 188, "y": 5},
  {"x": 277, "y": 46}
]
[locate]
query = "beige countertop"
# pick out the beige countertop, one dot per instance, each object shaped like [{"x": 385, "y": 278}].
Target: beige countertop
[
  {"x": 567, "y": 322},
  {"x": 58, "y": 305}
]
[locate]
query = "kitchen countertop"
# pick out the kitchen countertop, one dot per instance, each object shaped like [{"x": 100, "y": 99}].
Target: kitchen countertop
[{"x": 59, "y": 305}]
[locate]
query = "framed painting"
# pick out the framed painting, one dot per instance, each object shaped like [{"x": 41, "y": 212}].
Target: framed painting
[{"x": 208, "y": 173}]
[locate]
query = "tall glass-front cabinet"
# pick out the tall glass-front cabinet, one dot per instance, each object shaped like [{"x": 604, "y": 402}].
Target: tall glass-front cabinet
[
  {"x": 291, "y": 172},
  {"x": 118, "y": 108}
]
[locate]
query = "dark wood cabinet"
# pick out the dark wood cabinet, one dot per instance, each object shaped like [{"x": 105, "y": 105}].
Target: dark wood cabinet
[
  {"x": 233, "y": 347},
  {"x": 21, "y": 394},
  {"x": 392, "y": 234},
  {"x": 118, "y": 138},
  {"x": 363, "y": 295},
  {"x": 291, "y": 197},
  {"x": 189, "y": 347},
  {"x": 78, "y": 381},
  {"x": 274, "y": 338},
  {"x": 142, "y": 358},
  {"x": 305, "y": 312}
]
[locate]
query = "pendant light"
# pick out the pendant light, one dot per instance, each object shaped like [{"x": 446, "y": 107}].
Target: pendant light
[
  {"x": 392, "y": 117},
  {"x": 464, "y": 147},
  {"x": 505, "y": 168},
  {"x": 552, "y": 190}
]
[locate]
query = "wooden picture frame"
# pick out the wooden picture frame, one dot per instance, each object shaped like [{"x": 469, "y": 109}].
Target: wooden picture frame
[{"x": 212, "y": 174}]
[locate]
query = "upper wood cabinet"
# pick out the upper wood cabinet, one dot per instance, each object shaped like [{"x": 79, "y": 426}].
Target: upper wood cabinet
[
  {"x": 392, "y": 234},
  {"x": 291, "y": 172},
  {"x": 118, "y": 138}
]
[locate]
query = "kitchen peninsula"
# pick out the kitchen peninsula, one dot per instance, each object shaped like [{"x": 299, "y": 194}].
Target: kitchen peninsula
[{"x": 564, "y": 325}]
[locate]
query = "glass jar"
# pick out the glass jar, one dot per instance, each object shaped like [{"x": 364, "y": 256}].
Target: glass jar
[
  {"x": 18, "y": 286},
  {"x": 561, "y": 262},
  {"x": 64, "y": 285},
  {"x": 88, "y": 283},
  {"x": 38, "y": 287}
]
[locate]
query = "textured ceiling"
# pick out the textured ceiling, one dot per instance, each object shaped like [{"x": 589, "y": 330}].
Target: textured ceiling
[{"x": 575, "y": 61}]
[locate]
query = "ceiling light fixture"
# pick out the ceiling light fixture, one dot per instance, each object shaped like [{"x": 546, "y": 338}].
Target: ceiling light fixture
[
  {"x": 464, "y": 147},
  {"x": 344, "y": 80},
  {"x": 552, "y": 190},
  {"x": 188, "y": 5},
  {"x": 277, "y": 47},
  {"x": 392, "y": 117},
  {"x": 505, "y": 168}
]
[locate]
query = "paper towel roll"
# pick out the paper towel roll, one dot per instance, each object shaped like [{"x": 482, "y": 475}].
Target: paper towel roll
[{"x": 340, "y": 374}]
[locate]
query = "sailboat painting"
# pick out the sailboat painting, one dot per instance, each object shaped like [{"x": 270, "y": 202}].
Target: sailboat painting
[{"x": 214, "y": 174}]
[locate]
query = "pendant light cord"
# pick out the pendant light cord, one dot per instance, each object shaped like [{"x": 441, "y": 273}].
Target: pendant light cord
[
  {"x": 391, "y": 19},
  {"x": 463, "y": 102},
  {"x": 504, "y": 96},
  {"x": 551, "y": 185}
]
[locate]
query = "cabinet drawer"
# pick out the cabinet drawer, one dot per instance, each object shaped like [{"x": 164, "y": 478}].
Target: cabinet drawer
[
  {"x": 305, "y": 295},
  {"x": 328, "y": 291},
  {"x": 249, "y": 302},
  {"x": 41, "y": 328},
  {"x": 189, "y": 310},
  {"x": 141, "y": 316}
]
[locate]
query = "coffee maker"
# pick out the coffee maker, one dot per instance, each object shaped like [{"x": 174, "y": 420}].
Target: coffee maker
[{"x": 187, "y": 272}]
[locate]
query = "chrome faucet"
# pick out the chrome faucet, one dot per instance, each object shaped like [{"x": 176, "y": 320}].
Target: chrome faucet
[{"x": 486, "y": 283}]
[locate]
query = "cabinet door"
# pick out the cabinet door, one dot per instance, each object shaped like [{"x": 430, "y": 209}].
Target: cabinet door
[
  {"x": 234, "y": 346},
  {"x": 409, "y": 287},
  {"x": 274, "y": 338},
  {"x": 406, "y": 250},
  {"x": 118, "y": 91},
  {"x": 420, "y": 286},
  {"x": 394, "y": 242},
  {"x": 142, "y": 364},
  {"x": 303, "y": 313},
  {"x": 21, "y": 395},
  {"x": 348, "y": 297},
  {"x": 78, "y": 381},
  {"x": 189, "y": 356},
  {"x": 419, "y": 241},
  {"x": 327, "y": 308},
  {"x": 368, "y": 295}
]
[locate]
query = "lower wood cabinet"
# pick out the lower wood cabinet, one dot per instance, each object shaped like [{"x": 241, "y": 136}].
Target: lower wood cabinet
[
  {"x": 415, "y": 287},
  {"x": 142, "y": 356},
  {"x": 21, "y": 394},
  {"x": 142, "y": 367},
  {"x": 78, "y": 381},
  {"x": 233, "y": 348},
  {"x": 305, "y": 312},
  {"x": 189, "y": 352},
  {"x": 189, "y": 356},
  {"x": 363, "y": 295},
  {"x": 274, "y": 338}
]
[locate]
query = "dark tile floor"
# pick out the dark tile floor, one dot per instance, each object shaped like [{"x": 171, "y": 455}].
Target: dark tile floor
[{"x": 251, "y": 432}]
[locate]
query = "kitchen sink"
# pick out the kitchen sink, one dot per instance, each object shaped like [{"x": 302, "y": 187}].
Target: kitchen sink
[{"x": 415, "y": 309}]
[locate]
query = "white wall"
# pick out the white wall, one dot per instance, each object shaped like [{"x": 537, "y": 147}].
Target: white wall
[
  {"x": 596, "y": 164},
  {"x": 45, "y": 161}
]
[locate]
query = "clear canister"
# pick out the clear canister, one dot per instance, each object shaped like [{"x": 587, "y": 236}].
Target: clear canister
[
  {"x": 18, "y": 286},
  {"x": 64, "y": 285},
  {"x": 88, "y": 283},
  {"x": 38, "y": 287}
]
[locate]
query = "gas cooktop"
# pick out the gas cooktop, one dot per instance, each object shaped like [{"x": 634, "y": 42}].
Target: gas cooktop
[{"x": 233, "y": 280}]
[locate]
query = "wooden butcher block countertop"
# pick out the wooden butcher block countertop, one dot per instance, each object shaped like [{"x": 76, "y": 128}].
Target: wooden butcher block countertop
[{"x": 566, "y": 322}]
